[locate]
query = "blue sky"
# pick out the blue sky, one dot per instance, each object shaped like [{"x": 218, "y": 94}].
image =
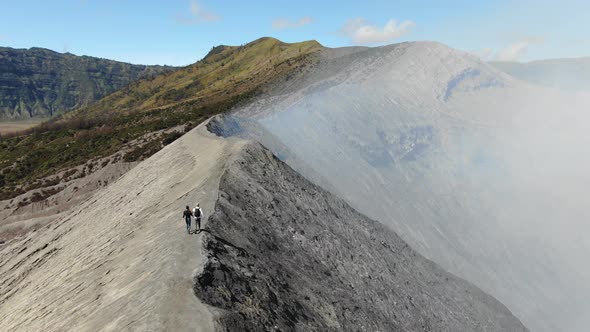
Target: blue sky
[{"x": 179, "y": 32}]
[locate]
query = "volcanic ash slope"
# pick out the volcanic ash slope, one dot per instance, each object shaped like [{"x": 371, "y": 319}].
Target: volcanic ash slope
[
  {"x": 279, "y": 253},
  {"x": 121, "y": 260},
  {"x": 283, "y": 254},
  {"x": 474, "y": 169}
]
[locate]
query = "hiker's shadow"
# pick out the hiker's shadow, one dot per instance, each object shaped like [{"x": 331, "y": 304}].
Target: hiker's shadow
[{"x": 221, "y": 240}]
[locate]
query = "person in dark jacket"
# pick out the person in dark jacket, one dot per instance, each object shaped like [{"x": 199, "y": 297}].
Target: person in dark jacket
[{"x": 186, "y": 215}]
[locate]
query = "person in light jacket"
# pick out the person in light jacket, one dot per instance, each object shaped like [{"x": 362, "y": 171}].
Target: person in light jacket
[{"x": 198, "y": 214}]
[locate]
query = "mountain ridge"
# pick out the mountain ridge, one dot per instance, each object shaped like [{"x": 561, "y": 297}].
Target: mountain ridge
[
  {"x": 123, "y": 259},
  {"x": 38, "y": 82},
  {"x": 67, "y": 53},
  {"x": 132, "y": 124},
  {"x": 224, "y": 72}
]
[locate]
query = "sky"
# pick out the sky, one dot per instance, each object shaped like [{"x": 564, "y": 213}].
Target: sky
[{"x": 180, "y": 32}]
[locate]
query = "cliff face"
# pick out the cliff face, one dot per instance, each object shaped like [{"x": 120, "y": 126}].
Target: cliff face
[
  {"x": 283, "y": 254},
  {"x": 38, "y": 82}
]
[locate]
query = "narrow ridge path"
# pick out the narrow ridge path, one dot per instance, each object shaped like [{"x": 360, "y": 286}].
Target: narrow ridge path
[{"x": 122, "y": 260}]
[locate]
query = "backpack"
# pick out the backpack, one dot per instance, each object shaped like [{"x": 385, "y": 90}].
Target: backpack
[{"x": 197, "y": 213}]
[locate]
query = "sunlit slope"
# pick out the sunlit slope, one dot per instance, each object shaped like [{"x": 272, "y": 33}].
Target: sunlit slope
[
  {"x": 225, "y": 72},
  {"x": 122, "y": 260},
  {"x": 150, "y": 113}
]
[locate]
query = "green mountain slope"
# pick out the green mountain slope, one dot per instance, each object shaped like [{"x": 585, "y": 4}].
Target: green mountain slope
[
  {"x": 226, "y": 71},
  {"x": 38, "y": 82},
  {"x": 144, "y": 116}
]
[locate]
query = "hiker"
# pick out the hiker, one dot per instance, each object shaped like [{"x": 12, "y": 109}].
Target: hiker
[
  {"x": 186, "y": 215},
  {"x": 198, "y": 213}
]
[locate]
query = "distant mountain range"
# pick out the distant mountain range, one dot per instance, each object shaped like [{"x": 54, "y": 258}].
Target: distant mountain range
[
  {"x": 38, "y": 82},
  {"x": 567, "y": 74},
  {"x": 41, "y": 83}
]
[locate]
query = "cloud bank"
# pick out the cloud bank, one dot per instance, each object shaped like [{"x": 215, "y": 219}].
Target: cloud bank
[
  {"x": 518, "y": 48},
  {"x": 359, "y": 31},
  {"x": 513, "y": 52}
]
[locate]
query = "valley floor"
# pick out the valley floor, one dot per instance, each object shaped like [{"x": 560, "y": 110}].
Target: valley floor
[{"x": 8, "y": 127}]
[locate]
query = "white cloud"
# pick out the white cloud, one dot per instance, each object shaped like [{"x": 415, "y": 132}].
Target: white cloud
[
  {"x": 198, "y": 14},
  {"x": 518, "y": 47},
  {"x": 484, "y": 53},
  {"x": 284, "y": 23},
  {"x": 513, "y": 52},
  {"x": 202, "y": 14},
  {"x": 359, "y": 31}
]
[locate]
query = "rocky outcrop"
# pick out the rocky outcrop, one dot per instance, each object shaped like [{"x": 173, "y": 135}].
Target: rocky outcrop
[
  {"x": 37, "y": 82},
  {"x": 283, "y": 254}
]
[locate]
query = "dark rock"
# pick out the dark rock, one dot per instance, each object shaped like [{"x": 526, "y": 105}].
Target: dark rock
[{"x": 344, "y": 273}]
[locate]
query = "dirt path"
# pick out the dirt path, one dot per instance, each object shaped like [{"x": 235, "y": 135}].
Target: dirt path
[{"x": 122, "y": 260}]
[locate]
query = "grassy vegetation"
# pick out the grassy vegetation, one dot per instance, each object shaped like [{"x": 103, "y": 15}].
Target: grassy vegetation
[
  {"x": 226, "y": 77},
  {"x": 55, "y": 146},
  {"x": 225, "y": 72}
]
